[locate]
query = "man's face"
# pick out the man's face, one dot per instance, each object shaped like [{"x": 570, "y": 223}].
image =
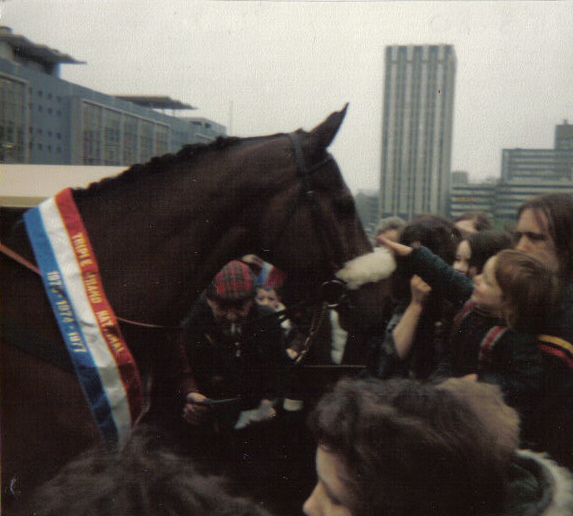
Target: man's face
[
  {"x": 533, "y": 238},
  {"x": 229, "y": 313}
]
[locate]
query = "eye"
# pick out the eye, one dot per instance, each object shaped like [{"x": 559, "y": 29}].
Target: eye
[{"x": 345, "y": 206}]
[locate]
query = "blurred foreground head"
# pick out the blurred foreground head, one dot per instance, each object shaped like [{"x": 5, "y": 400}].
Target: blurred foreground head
[{"x": 399, "y": 447}]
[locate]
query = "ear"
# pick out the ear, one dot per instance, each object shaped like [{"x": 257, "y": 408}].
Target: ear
[{"x": 322, "y": 135}]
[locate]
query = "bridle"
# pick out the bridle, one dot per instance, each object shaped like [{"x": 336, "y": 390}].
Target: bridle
[
  {"x": 306, "y": 195},
  {"x": 330, "y": 294}
]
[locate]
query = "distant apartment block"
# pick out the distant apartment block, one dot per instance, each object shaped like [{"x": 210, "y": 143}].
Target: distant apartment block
[
  {"x": 541, "y": 164},
  {"x": 46, "y": 120},
  {"x": 419, "y": 83},
  {"x": 525, "y": 173}
]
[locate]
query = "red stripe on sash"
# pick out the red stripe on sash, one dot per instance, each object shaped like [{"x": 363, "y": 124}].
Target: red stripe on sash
[{"x": 105, "y": 315}]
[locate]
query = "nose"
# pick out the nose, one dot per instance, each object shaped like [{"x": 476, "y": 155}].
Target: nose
[
  {"x": 232, "y": 315},
  {"x": 310, "y": 507},
  {"x": 457, "y": 266},
  {"x": 522, "y": 244}
]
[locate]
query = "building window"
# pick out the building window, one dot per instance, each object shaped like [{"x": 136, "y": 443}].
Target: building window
[
  {"x": 12, "y": 121},
  {"x": 161, "y": 139},
  {"x": 91, "y": 134},
  {"x": 145, "y": 141},
  {"x": 111, "y": 137},
  {"x": 129, "y": 140}
]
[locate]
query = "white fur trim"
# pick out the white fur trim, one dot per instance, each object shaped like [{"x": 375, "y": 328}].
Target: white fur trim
[
  {"x": 562, "y": 499},
  {"x": 368, "y": 268}
]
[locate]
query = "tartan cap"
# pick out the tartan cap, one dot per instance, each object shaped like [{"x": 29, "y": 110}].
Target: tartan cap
[{"x": 234, "y": 282}]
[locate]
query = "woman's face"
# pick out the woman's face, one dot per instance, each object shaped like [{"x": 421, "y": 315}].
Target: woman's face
[
  {"x": 330, "y": 496},
  {"x": 487, "y": 294},
  {"x": 462, "y": 261}
]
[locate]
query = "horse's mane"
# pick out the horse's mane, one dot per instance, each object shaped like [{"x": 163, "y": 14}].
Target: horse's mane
[{"x": 158, "y": 164}]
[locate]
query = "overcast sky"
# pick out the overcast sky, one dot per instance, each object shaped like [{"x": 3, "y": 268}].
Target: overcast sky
[{"x": 267, "y": 67}]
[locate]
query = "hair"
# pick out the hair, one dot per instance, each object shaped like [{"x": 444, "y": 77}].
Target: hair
[
  {"x": 389, "y": 223},
  {"x": 529, "y": 291},
  {"x": 436, "y": 233},
  {"x": 480, "y": 219},
  {"x": 484, "y": 244},
  {"x": 142, "y": 480},
  {"x": 558, "y": 209},
  {"x": 486, "y": 401},
  {"x": 411, "y": 448}
]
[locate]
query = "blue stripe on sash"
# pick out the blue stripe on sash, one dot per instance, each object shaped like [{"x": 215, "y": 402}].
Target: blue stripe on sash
[{"x": 66, "y": 317}]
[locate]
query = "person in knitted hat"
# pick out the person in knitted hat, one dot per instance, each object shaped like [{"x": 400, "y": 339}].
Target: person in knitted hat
[{"x": 236, "y": 352}]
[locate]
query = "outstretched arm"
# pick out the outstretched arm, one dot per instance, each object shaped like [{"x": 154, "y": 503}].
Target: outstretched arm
[{"x": 444, "y": 280}]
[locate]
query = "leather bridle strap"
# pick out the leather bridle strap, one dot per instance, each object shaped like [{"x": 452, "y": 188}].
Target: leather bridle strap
[
  {"x": 18, "y": 258},
  {"x": 305, "y": 192},
  {"x": 29, "y": 265}
]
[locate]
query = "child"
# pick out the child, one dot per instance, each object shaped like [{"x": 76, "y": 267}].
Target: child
[
  {"x": 474, "y": 250},
  {"x": 494, "y": 334}
]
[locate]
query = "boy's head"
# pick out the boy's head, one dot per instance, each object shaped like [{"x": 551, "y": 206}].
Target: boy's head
[{"x": 268, "y": 296}]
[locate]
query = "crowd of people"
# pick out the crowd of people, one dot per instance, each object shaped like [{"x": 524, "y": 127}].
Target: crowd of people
[{"x": 472, "y": 365}]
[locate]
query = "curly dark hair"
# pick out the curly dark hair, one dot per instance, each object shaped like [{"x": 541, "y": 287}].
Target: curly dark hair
[
  {"x": 143, "y": 479},
  {"x": 410, "y": 449}
]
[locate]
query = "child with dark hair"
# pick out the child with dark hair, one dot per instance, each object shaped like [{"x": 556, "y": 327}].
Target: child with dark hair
[
  {"x": 414, "y": 338},
  {"x": 474, "y": 250},
  {"x": 494, "y": 335},
  {"x": 402, "y": 448}
]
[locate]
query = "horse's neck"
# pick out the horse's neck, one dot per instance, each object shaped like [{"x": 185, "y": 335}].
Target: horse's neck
[{"x": 159, "y": 246}]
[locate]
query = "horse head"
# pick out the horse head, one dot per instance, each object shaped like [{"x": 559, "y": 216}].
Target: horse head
[{"x": 311, "y": 228}]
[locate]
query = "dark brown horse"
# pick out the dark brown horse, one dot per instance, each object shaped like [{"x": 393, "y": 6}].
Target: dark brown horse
[{"x": 160, "y": 231}]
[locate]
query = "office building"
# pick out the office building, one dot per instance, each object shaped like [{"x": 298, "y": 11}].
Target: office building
[
  {"x": 417, "y": 128},
  {"x": 541, "y": 164},
  {"x": 46, "y": 120}
]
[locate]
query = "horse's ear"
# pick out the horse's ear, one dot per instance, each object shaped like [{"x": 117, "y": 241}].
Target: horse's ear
[{"x": 323, "y": 134}]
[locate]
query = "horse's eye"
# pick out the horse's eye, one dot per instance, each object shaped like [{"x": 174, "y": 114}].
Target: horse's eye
[{"x": 345, "y": 207}]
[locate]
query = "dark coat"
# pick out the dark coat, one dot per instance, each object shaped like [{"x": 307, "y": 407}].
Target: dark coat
[{"x": 249, "y": 366}]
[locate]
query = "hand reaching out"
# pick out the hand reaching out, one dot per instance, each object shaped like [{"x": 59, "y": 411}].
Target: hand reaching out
[{"x": 395, "y": 247}]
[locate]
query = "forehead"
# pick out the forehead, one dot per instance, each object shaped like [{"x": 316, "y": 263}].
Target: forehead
[
  {"x": 489, "y": 266},
  {"x": 534, "y": 221},
  {"x": 464, "y": 248},
  {"x": 270, "y": 291}
]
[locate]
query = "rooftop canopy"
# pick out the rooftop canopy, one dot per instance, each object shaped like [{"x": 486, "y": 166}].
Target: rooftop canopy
[
  {"x": 27, "y": 49},
  {"x": 155, "y": 102}
]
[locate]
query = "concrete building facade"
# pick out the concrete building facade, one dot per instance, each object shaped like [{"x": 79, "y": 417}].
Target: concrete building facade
[
  {"x": 46, "y": 120},
  {"x": 417, "y": 126}
]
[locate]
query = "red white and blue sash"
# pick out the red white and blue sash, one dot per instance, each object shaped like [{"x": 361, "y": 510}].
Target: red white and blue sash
[{"x": 103, "y": 363}]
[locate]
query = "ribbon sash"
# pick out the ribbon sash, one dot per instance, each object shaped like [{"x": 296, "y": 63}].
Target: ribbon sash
[{"x": 103, "y": 363}]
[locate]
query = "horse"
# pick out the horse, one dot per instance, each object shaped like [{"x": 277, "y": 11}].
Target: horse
[{"x": 160, "y": 232}]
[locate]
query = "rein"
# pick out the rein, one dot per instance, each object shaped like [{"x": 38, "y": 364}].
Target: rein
[
  {"x": 306, "y": 194},
  {"x": 29, "y": 265}
]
